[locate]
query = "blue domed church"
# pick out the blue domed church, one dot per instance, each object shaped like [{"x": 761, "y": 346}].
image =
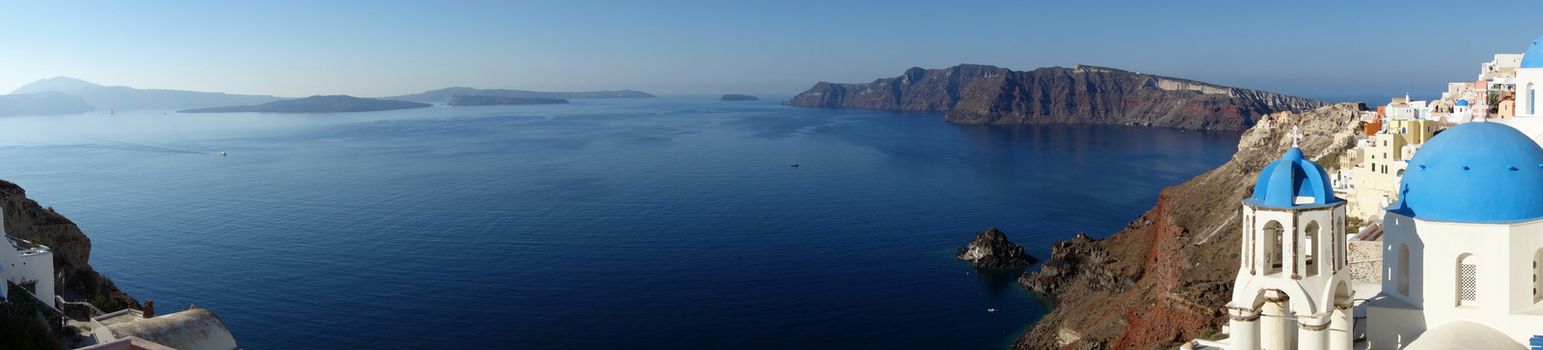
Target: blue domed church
[
  {"x": 1463, "y": 249},
  {"x": 1292, "y": 289}
]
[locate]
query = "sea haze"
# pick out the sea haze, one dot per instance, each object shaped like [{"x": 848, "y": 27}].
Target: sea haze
[{"x": 673, "y": 222}]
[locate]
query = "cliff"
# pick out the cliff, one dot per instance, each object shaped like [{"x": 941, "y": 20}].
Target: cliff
[
  {"x": 316, "y": 104},
  {"x": 979, "y": 94},
  {"x": 1165, "y": 277},
  {"x": 76, "y": 280}
]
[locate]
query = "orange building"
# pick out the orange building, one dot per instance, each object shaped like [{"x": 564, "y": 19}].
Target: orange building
[{"x": 1372, "y": 127}]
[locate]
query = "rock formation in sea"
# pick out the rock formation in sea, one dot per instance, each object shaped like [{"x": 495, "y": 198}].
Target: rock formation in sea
[
  {"x": 75, "y": 279},
  {"x": 991, "y": 250},
  {"x": 737, "y": 97},
  {"x": 316, "y": 104},
  {"x": 980, "y": 94},
  {"x": 1165, "y": 277}
]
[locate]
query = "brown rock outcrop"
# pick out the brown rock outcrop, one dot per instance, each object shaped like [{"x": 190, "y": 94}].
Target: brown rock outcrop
[
  {"x": 979, "y": 94},
  {"x": 76, "y": 280},
  {"x": 991, "y": 250},
  {"x": 1164, "y": 278}
]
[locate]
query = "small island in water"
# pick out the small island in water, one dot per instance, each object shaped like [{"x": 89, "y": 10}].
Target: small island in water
[
  {"x": 315, "y": 104},
  {"x": 480, "y": 100},
  {"x": 738, "y": 97}
]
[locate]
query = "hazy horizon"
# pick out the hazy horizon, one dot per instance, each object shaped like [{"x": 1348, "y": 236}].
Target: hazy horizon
[{"x": 292, "y": 48}]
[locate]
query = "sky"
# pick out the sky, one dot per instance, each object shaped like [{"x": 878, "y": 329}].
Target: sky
[{"x": 1323, "y": 49}]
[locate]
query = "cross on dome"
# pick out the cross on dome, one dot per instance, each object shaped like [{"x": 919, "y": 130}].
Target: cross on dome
[{"x": 1295, "y": 135}]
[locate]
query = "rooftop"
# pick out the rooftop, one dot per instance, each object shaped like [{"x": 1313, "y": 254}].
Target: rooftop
[{"x": 25, "y": 247}]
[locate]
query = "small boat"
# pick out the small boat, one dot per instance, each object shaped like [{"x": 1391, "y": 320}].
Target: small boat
[
  {"x": 991, "y": 310},
  {"x": 795, "y": 164},
  {"x": 222, "y": 154}
]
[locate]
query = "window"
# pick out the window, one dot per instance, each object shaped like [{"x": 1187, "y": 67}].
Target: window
[
  {"x": 1273, "y": 249},
  {"x": 1537, "y": 269},
  {"x": 1312, "y": 248},
  {"x": 1467, "y": 280},
  {"x": 1401, "y": 271},
  {"x": 1247, "y": 256}
]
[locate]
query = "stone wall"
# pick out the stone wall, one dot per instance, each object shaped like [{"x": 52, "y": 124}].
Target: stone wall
[{"x": 1365, "y": 261}]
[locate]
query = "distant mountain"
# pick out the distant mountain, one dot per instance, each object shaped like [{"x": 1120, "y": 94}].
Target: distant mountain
[
  {"x": 737, "y": 97},
  {"x": 471, "y": 100},
  {"x": 124, "y": 98},
  {"x": 979, "y": 94},
  {"x": 443, "y": 95},
  {"x": 42, "y": 103},
  {"x": 316, "y": 104}
]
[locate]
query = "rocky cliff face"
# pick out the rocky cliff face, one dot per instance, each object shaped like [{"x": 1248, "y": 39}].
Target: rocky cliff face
[
  {"x": 977, "y": 94},
  {"x": 76, "y": 280},
  {"x": 1164, "y": 278}
]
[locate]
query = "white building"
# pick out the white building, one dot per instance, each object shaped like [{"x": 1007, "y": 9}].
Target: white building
[
  {"x": 1292, "y": 290},
  {"x": 1463, "y": 248},
  {"x": 1529, "y": 79},
  {"x": 1503, "y": 66},
  {"x": 191, "y": 329},
  {"x": 1461, "y": 112},
  {"x": 28, "y": 265}
]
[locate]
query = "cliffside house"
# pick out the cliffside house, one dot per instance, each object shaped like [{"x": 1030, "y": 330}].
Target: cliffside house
[
  {"x": 28, "y": 265},
  {"x": 1384, "y": 159}
]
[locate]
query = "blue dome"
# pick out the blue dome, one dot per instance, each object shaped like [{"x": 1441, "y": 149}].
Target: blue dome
[
  {"x": 1533, "y": 58},
  {"x": 1474, "y": 172},
  {"x": 1289, "y": 177},
  {"x": 1462, "y": 103}
]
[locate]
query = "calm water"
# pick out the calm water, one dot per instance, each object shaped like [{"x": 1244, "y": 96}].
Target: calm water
[{"x": 658, "y": 223}]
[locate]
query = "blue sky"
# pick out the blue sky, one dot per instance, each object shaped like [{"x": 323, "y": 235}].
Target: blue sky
[{"x": 374, "y": 48}]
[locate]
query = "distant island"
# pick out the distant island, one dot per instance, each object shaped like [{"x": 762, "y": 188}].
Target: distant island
[
  {"x": 444, "y": 95},
  {"x": 316, "y": 104},
  {"x": 478, "y": 100},
  {"x": 980, "y": 94},
  {"x": 42, "y": 103},
  {"x": 737, "y": 97},
  {"x": 65, "y": 95}
]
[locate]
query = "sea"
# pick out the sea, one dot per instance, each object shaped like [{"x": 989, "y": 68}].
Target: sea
[{"x": 674, "y": 222}]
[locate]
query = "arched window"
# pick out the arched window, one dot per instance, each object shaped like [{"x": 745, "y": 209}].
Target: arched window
[
  {"x": 1247, "y": 256},
  {"x": 1273, "y": 246},
  {"x": 1467, "y": 280},
  {"x": 1311, "y": 234},
  {"x": 1401, "y": 272}
]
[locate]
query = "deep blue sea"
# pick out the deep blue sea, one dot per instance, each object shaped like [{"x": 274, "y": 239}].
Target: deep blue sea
[{"x": 673, "y": 222}]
